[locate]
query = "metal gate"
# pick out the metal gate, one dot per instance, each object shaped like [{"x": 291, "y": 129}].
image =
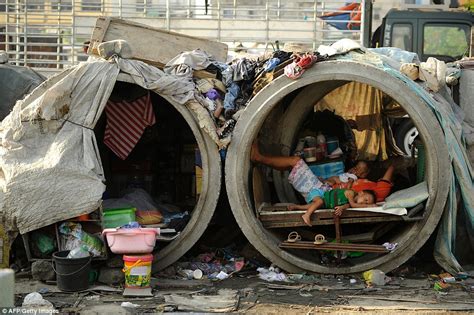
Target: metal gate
[{"x": 50, "y": 34}]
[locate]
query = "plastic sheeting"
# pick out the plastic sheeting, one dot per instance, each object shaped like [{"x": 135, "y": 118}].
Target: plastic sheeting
[
  {"x": 462, "y": 176},
  {"x": 50, "y": 166},
  {"x": 363, "y": 104},
  {"x": 15, "y": 83}
]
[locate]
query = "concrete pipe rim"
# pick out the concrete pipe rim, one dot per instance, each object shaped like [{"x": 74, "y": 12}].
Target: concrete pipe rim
[
  {"x": 211, "y": 188},
  {"x": 207, "y": 203},
  {"x": 238, "y": 163}
]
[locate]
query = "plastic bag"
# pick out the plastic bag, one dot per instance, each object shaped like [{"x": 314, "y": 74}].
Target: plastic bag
[
  {"x": 43, "y": 243},
  {"x": 149, "y": 216},
  {"x": 375, "y": 277},
  {"x": 79, "y": 252},
  {"x": 74, "y": 236}
]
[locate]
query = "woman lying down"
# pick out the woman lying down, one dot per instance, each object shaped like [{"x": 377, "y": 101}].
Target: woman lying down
[{"x": 351, "y": 190}]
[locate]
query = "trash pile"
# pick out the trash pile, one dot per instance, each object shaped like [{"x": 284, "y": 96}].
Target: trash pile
[
  {"x": 225, "y": 89},
  {"x": 216, "y": 265}
]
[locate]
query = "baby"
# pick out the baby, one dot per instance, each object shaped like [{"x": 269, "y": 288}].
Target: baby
[
  {"x": 360, "y": 170},
  {"x": 339, "y": 199}
]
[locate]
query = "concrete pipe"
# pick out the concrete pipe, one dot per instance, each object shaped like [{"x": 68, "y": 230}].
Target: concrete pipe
[
  {"x": 211, "y": 186},
  {"x": 269, "y": 108}
]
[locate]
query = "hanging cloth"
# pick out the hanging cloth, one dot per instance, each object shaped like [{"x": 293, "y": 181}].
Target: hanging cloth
[{"x": 126, "y": 122}]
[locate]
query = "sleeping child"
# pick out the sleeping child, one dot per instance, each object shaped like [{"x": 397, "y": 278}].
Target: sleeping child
[{"x": 316, "y": 193}]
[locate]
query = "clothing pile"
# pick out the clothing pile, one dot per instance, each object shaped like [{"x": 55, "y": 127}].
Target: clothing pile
[{"x": 225, "y": 89}]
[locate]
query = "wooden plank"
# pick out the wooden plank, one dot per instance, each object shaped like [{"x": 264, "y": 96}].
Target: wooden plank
[
  {"x": 261, "y": 192},
  {"x": 335, "y": 246},
  {"x": 361, "y": 237},
  {"x": 337, "y": 225},
  {"x": 150, "y": 44},
  {"x": 299, "y": 222},
  {"x": 321, "y": 213}
]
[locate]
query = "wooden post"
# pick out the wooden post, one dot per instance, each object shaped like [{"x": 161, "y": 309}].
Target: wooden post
[{"x": 337, "y": 224}]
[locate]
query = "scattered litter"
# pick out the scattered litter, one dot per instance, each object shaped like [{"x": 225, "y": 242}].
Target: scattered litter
[
  {"x": 129, "y": 305},
  {"x": 219, "y": 276},
  {"x": 78, "y": 252},
  {"x": 271, "y": 274},
  {"x": 447, "y": 278},
  {"x": 93, "y": 298},
  {"x": 390, "y": 246},
  {"x": 225, "y": 301},
  {"x": 303, "y": 277},
  {"x": 43, "y": 290},
  {"x": 305, "y": 294},
  {"x": 462, "y": 275},
  {"x": 441, "y": 286},
  {"x": 35, "y": 300},
  {"x": 375, "y": 277},
  {"x": 197, "y": 274},
  {"x": 353, "y": 281},
  {"x": 186, "y": 273}
]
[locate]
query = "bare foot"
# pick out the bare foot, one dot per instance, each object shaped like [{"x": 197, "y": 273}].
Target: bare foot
[
  {"x": 255, "y": 153},
  {"x": 292, "y": 207},
  {"x": 307, "y": 219}
]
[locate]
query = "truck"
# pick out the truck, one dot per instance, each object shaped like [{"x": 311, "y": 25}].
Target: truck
[
  {"x": 444, "y": 35},
  {"x": 429, "y": 32}
]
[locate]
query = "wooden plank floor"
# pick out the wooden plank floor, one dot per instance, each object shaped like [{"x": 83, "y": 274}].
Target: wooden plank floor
[
  {"x": 335, "y": 246},
  {"x": 280, "y": 217}
]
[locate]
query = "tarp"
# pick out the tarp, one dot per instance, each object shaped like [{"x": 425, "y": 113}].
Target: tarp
[
  {"x": 50, "y": 166},
  {"x": 344, "y": 18},
  {"x": 15, "y": 83},
  {"x": 361, "y": 103},
  {"x": 461, "y": 180}
]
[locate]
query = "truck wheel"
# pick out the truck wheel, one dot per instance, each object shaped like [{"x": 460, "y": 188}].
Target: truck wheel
[{"x": 405, "y": 134}]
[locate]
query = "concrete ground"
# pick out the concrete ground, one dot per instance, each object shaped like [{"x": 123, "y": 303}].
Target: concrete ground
[{"x": 250, "y": 294}]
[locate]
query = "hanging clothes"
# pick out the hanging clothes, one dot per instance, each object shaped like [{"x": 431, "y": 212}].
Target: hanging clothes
[{"x": 126, "y": 122}]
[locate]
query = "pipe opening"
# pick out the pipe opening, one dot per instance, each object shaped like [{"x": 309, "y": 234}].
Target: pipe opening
[
  {"x": 164, "y": 176},
  {"x": 366, "y": 124}
]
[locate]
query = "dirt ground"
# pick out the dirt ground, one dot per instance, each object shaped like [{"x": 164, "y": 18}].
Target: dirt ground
[{"x": 250, "y": 294}]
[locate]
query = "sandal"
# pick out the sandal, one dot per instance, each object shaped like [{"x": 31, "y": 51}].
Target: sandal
[
  {"x": 293, "y": 237},
  {"x": 319, "y": 239}
]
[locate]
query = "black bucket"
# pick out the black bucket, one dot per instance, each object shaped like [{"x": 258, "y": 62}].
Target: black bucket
[{"x": 72, "y": 274}]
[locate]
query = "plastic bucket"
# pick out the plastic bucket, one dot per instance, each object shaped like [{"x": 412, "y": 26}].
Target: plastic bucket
[
  {"x": 137, "y": 270},
  {"x": 72, "y": 274}
]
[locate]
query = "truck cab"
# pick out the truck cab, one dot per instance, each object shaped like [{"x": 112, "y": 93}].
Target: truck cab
[{"x": 445, "y": 35}]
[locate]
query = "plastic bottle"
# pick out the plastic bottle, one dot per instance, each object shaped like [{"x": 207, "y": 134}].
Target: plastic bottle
[
  {"x": 299, "y": 147},
  {"x": 321, "y": 146},
  {"x": 78, "y": 252},
  {"x": 375, "y": 277}
]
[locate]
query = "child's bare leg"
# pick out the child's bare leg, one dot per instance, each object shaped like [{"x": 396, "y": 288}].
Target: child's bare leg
[
  {"x": 280, "y": 163},
  {"x": 316, "y": 204}
]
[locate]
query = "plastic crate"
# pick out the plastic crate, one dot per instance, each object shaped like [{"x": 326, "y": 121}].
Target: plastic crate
[{"x": 113, "y": 218}]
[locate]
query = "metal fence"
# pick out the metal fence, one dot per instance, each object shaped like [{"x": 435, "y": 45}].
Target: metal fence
[{"x": 49, "y": 34}]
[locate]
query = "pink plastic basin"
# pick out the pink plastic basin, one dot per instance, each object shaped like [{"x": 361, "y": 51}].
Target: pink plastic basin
[{"x": 131, "y": 241}]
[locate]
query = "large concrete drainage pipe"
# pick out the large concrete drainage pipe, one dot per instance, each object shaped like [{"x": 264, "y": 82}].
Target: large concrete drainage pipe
[
  {"x": 305, "y": 92},
  {"x": 211, "y": 186}
]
